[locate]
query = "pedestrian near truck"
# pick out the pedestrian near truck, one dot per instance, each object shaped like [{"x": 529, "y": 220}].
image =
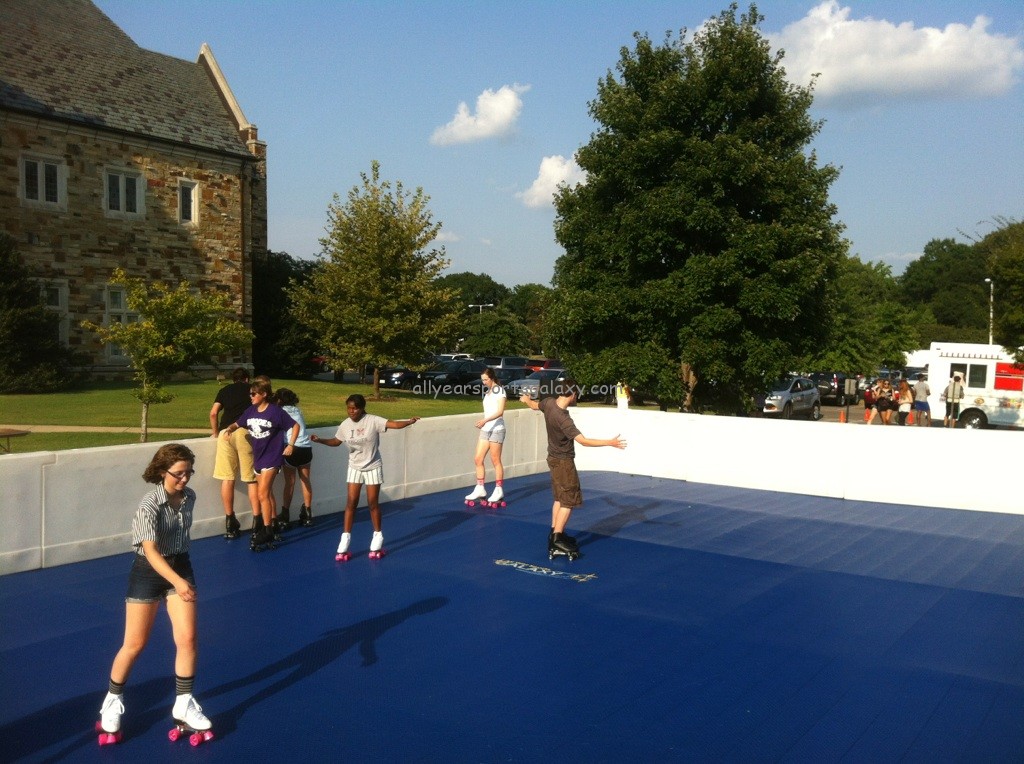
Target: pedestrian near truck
[
  {"x": 905, "y": 402},
  {"x": 922, "y": 409},
  {"x": 953, "y": 394},
  {"x": 161, "y": 572},
  {"x": 361, "y": 433}
]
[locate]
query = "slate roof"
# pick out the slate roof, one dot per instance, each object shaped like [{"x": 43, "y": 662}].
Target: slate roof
[{"x": 65, "y": 59}]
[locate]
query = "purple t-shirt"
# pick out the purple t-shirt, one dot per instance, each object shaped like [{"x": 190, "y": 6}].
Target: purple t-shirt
[{"x": 267, "y": 431}]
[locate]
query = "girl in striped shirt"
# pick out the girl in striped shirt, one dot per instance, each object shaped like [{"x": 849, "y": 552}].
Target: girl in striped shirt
[{"x": 161, "y": 571}]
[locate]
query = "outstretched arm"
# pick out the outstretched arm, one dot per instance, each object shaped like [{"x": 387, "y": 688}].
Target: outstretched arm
[
  {"x": 393, "y": 425},
  {"x": 615, "y": 442},
  {"x": 528, "y": 401}
]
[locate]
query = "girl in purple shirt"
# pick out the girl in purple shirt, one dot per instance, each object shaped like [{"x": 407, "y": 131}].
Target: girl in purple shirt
[{"x": 268, "y": 425}]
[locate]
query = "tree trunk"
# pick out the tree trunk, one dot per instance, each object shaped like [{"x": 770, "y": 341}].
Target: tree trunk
[
  {"x": 144, "y": 429},
  {"x": 689, "y": 383},
  {"x": 376, "y": 382}
]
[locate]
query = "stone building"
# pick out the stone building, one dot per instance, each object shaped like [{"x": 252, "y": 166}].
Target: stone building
[{"x": 115, "y": 156}]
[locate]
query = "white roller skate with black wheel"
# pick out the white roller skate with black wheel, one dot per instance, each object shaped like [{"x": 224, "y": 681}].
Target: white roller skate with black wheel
[
  {"x": 496, "y": 499},
  {"x": 342, "y": 554},
  {"x": 377, "y": 549},
  {"x": 190, "y": 720},
  {"x": 478, "y": 493},
  {"x": 560, "y": 545},
  {"x": 109, "y": 725}
]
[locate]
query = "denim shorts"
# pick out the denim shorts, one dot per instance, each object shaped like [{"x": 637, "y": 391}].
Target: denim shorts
[
  {"x": 146, "y": 586},
  {"x": 494, "y": 436}
]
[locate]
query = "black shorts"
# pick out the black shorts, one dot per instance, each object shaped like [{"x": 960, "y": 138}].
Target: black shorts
[
  {"x": 145, "y": 585},
  {"x": 300, "y": 456}
]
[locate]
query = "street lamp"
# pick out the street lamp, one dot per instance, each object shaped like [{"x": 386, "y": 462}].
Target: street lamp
[
  {"x": 991, "y": 288},
  {"x": 482, "y": 306}
]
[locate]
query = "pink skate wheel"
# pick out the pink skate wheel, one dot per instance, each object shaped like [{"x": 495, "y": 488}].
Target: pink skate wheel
[
  {"x": 109, "y": 738},
  {"x": 195, "y": 739},
  {"x": 470, "y": 503},
  {"x": 503, "y": 505},
  {"x": 342, "y": 557},
  {"x": 208, "y": 736},
  {"x": 377, "y": 555},
  {"x": 174, "y": 734}
]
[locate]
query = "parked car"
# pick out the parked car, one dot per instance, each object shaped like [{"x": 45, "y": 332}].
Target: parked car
[
  {"x": 451, "y": 378},
  {"x": 398, "y": 377},
  {"x": 832, "y": 387},
  {"x": 440, "y": 357},
  {"x": 509, "y": 374},
  {"x": 544, "y": 363},
  {"x": 532, "y": 384},
  {"x": 793, "y": 396},
  {"x": 501, "y": 361}
]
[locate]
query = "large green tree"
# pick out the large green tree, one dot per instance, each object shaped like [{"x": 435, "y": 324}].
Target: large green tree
[
  {"x": 176, "y": 329},
  {"x": 373, "y": 298},
  {"x": 702, "y": 247},
  {"x": 32, "y": 358}
]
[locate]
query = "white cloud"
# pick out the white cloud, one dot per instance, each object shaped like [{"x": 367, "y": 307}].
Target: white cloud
[
  {"x": 861, "y": 59},
  {"x": 554, "y": 171},
  {"x": 446, "y": 237},
  {"x": 496, "y": 114}
]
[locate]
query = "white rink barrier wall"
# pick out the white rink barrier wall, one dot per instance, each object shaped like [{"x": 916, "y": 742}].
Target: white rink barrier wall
[{"x": 67, "y": 506}]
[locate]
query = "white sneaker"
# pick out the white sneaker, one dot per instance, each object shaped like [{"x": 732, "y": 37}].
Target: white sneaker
[
  {"x": 478, "y": 493},
  {"x": 346, "y": 539},
  {"x": 190, "y": 713},
  {"x": 497, "y": 496},
  {"x": 110, "y": 712},
  {"x": 377, "y": 542}
]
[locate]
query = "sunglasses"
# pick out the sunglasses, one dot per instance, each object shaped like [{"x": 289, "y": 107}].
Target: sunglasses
[{"x": 183, "y": 475}]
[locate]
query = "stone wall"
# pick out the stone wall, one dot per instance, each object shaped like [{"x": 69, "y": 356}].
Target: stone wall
[{"x": 80, "y": 244}]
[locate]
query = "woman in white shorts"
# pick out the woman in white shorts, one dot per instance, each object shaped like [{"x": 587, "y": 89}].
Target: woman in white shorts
[
  {"x": 361, "y": 433},
  {"x": 492, "y": 435}
]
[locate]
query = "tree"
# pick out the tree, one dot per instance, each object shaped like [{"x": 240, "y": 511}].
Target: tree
[
  {"x": 282, "y": 347},
  {"x": 495, "y": 332},
  {"x": 529, "y": 303},
  {"x": 32, "y": 358},
  {"x": 474, "y": 288},
  {"x": 872, "y": 329},
  {"x": 701, "y": 250},
  {"x": 1003, "y": 250},
  {"x": 948, "y": 283},
  {"x": 176, "y": 329},
  {"x": 373, "y": 299}
]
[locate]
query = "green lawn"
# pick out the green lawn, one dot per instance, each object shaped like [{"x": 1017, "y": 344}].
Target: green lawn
[{"x": 112, "y": 405}]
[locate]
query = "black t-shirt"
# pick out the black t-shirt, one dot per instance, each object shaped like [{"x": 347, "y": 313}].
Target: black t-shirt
[{"x": 233, "y": 400}]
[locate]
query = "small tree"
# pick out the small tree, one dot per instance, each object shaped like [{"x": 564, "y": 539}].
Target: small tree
[
  {"x": 374, "y": 299},
  {"x": 177, "y": 329},
  {"x": 32, "y": 359}
]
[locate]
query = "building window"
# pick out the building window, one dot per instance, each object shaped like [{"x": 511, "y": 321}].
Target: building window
[
  {"x": 123, "y": 194},
  {"x": 117, "y": 313},
  {"x": 44, "y": 182},
  {"x": 55, "y": 297},
  {"x": 188, "y": 201}
]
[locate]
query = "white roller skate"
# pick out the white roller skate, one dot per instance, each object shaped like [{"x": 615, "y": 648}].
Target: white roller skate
[
  {"x": 377, "y": 546},
  {"x": 496, "y": 499},
  {"x": 109, "y": 725},
  {"x": 342, "y": 554},
  {"x": 478, "y": 493},
  {"x": 189, "y": 718}
]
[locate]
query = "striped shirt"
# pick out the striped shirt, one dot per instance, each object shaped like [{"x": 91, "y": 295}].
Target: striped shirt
[{"x": 157, "y": 521}]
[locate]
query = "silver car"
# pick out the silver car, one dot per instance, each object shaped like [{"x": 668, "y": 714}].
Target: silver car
[{"x": 793, "y": 396}]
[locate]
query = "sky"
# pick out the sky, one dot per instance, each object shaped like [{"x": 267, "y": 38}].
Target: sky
[{"x": 483, "y": 105}]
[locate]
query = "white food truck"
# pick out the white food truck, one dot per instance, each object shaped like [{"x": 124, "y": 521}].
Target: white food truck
[{"x": 993, "y": 384}]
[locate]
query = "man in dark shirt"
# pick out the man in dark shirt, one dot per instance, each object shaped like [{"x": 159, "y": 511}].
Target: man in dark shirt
[
  {"x": 565, "y": 482},
  {"x": 234, "y": 454}
]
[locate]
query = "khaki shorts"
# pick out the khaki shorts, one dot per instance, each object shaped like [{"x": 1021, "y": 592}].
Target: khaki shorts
[
  {"x": 234, "y": 457},
  {"x": 565, "y": 483}
]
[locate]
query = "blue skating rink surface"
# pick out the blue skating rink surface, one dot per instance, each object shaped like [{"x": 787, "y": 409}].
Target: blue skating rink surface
[{"x": 701, "y": 624}]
